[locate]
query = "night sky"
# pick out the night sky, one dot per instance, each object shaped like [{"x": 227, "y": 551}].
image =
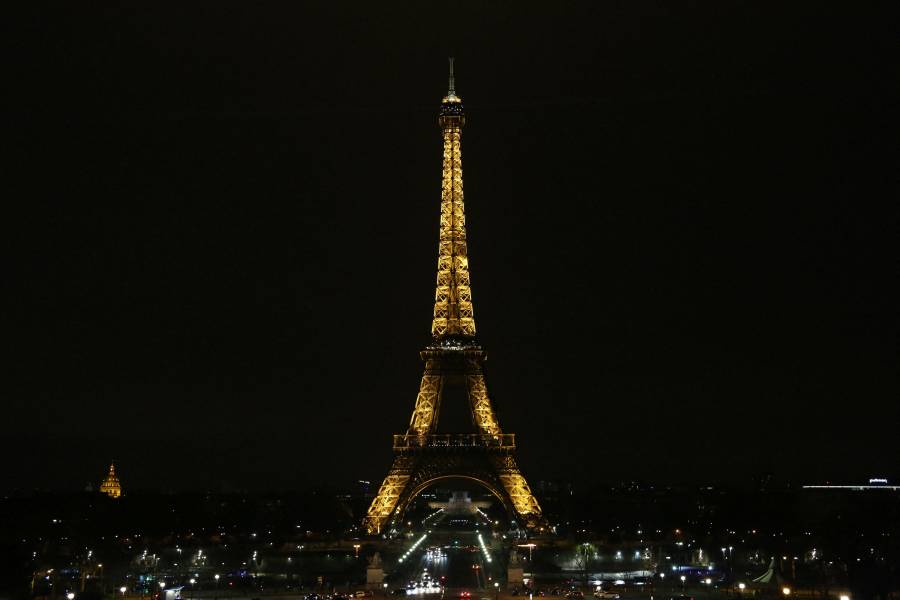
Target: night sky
[{"x": 221, "y": 238}]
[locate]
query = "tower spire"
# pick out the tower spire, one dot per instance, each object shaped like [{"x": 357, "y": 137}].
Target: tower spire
[
  {"x": 453, "y": 315},
  {"x": 451, "y": 88}
]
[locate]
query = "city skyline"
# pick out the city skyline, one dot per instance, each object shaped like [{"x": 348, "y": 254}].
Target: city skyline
[{"x": 224, "y": 270}]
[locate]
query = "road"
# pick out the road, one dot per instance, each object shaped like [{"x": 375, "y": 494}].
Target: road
[{"x": 455, "y": 561}]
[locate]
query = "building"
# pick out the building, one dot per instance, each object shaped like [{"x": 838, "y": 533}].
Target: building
[{"x": 111, "y": 485}]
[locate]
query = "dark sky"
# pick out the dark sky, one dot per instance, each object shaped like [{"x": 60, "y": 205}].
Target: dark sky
[{"x": 221, "y": 232}]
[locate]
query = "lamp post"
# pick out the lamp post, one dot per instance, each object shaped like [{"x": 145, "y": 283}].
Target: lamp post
[
  {"x": 192, "y": 581},
  {"x": 530, "y": 547},
  {"x": 216, "y": 577},
  {"x": 496, "y": 590},
  {"x": 682, "y": 583},
  {"x": 356, "y": 548},
  {"x": 123, "y": 589}
]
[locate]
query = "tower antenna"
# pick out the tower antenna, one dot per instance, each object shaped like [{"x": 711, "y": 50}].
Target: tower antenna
[{"x": 452, "y": 86}]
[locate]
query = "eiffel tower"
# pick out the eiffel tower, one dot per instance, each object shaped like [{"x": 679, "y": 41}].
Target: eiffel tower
[{"x": 454, "y": 359}]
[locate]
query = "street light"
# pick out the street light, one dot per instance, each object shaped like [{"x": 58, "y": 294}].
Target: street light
[
  {"x": 216, "y": 577},
  {"x": 682, "y": 582},
  {"x": 741, "y": 587},
  {"x": 530, "y": 547},
  {"x": 70, "y": 595},
  {"x": 786, "y": 591},
  {"x": 356, "y": 547},
  {"x": 122, "y": 589}
]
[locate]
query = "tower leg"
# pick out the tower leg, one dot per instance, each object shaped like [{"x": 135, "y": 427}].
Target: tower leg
[
  {"x": 482, "y": 411},
  {"x": 516, "y": 487},
  {"x": 428, "y": 401},
  {"x": 389, "y": 493}
]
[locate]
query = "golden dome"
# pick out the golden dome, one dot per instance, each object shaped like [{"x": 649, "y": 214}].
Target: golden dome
[{"x": 111, "y": 485}]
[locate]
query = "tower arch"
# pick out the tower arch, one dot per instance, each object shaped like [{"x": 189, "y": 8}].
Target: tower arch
[{"x": 494, "y": 488}]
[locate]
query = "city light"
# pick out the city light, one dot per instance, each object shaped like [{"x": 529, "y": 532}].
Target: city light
[
  {"x": 123, "y": 589},
  {"x": 70, "y": 596},
  {"x": 412, "y": 548},
  {"x": 741, "y": 587},
  {"x": 530, "y": 546},
  {"x": 786, "y": 591},
  {"x": 487, "y": 555}
]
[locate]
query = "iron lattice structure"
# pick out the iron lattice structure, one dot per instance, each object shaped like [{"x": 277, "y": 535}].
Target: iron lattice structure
[{"x": 454, "y": 358}]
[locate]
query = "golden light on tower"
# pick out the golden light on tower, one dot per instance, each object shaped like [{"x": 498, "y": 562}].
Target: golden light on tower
[
  {"x": 453, "y": 359},
  {"x": 111, "y": 486},
  {"x": 453, "y": 315}
]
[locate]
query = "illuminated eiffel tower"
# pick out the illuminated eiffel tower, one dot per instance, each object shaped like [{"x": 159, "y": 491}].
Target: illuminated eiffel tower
[{"x": 454, "y": 359}]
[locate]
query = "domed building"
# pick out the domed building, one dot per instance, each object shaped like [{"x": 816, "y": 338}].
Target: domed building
[{"x": 111, "y": 485}]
